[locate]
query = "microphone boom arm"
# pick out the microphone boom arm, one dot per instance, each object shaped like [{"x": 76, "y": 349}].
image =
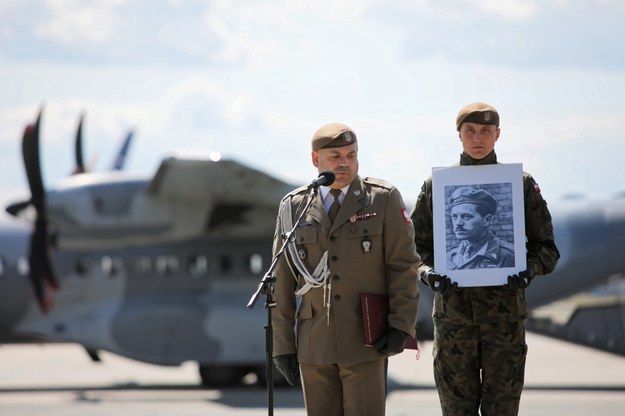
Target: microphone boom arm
[{"x": 266, "y": 287}]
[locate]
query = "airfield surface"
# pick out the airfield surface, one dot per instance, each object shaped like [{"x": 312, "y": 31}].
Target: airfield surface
[{"x": 60, "y": 380}]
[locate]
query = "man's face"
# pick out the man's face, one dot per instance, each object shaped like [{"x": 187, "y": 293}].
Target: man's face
[
  {"x": 467, "y": 223},
  {"x": 343, "y": 161},
  {"x": 478, "y": 140}
]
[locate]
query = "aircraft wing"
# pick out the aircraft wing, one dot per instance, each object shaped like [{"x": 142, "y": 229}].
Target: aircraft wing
[
  {"x": 215, "y": 181},
  {"x": 186, "y": 198}
]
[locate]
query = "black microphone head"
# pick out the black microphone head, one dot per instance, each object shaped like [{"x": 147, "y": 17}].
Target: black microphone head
[{"x": 329, "y": 177}]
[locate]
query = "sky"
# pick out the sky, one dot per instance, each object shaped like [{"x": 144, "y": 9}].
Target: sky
[{"x": 253, "y": 80}]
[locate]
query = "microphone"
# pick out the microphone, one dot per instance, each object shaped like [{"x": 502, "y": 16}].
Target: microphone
[{"x": 326, "y": 178}]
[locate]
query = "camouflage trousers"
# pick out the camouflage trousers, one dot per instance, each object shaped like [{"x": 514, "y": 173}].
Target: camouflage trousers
[{"x": 479, "y": 367}]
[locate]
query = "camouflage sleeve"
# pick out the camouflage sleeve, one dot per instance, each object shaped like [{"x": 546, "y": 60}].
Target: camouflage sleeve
[
  {"x": 542, "y": 253},
  {"x": 422, "y": 220}
]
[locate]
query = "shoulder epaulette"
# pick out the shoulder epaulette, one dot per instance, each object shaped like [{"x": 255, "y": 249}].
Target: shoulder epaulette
[
  {"x": 297, "y": 191},
  {"x": 378, "y": 182}
]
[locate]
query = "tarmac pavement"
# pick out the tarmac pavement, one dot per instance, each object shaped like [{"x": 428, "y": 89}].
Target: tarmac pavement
[{"x": 60, "y": 380}]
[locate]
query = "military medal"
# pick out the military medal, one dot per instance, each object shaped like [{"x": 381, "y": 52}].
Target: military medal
[
  {"x": 360, "y": 217},
  {"x": 301, "y": 252},
  {"x": 366, "y": 245}
]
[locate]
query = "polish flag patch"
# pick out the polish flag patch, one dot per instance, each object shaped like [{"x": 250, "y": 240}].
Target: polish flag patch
[
  {"x": 536, "y": 188},
  {"x": 404, "y": 212}
]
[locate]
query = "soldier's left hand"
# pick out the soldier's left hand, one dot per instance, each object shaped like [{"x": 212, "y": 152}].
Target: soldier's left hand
[
  {"x": 521, "y": 280},
  {"x": 392, "y": 342}
]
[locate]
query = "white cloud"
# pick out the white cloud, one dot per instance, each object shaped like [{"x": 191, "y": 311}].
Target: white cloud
[
  {"x": 253, "y": 80},
  {"x": 512, "y": 9},
  {"x": 81, "y": 20}
]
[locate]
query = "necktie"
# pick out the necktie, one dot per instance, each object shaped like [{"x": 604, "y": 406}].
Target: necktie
[{"x": 336, "y": 205}]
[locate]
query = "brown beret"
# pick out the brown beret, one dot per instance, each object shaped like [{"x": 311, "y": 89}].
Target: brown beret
[
  {"x": 333, "y": 135},
  {"x": 479, "y": 113},
  {"x": 465, "y": 195}
]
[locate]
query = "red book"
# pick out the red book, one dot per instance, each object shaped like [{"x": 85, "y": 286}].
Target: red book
[{"x": 375, "y": 319}]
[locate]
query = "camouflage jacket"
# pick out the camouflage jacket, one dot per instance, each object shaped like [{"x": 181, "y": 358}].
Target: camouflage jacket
[
  {"x": 478, "y": 305},
  {"x": 494, "y": 253}
]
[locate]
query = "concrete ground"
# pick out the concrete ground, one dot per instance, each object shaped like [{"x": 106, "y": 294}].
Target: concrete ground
[{"x": 60, "y": 380}]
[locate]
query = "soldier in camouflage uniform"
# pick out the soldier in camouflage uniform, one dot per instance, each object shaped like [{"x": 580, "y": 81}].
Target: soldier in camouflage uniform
[{"x": 479, "y": 332}]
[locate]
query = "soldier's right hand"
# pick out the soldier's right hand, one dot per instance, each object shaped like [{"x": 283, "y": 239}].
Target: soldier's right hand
[
  {"x": 288, "y": 366},
  {"x": 438, "y": 283}
]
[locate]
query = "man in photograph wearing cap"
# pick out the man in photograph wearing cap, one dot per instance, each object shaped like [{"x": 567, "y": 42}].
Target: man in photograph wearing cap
[
  {"x": 356, "y": 237},
  {"x": 472, "y": 213},
  {"x": 479, "y": 332}
]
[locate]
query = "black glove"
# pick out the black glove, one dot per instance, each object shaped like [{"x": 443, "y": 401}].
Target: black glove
[
  {"x": 392, "y": 342},
  {"x": 521, "y": 280},
  {"x": 288, "y": 366},
  {"x": 438, "y": 283}
]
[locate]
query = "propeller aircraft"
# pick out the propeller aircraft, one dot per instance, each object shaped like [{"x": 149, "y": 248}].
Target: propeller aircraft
[{"x": 159, "y": 269}]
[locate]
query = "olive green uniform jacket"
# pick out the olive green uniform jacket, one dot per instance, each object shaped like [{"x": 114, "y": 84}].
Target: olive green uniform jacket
[
  {"x": 478, "y": 305},
  {"x": 389, "y": 267}
]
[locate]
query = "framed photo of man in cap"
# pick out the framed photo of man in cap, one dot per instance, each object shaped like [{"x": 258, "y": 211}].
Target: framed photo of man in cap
[{"x": 479, "y": 223}]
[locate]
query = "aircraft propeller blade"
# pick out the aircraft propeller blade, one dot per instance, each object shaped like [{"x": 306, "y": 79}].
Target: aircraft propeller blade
[
  {"x": 17, "y": 207},
  {"x": 80, "y": 166},
  {"x": 120, "y": 159},
  {"x": 39, "y": 258}
]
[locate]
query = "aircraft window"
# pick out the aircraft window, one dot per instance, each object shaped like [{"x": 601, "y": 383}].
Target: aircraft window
[
  {"x": 197, "y": 266},
  {"x": 111, "y": 266},
  {"x": 225, "y": 263},
  {"x": 23, "y": 268},
  {"x": 256, "y": 263},
  {"x": 143, "y": 265},
  {"x": 166, "y": 265}
]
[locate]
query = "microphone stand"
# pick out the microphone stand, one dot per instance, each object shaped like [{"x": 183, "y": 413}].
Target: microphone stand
[{"x": 266, "y": 287}]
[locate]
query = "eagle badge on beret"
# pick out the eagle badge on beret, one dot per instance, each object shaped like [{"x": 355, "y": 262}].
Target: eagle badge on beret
[{"x": 486, "y": 115}]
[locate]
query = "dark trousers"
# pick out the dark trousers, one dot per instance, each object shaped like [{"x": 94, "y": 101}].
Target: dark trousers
[{"x": 479, "y": 367}]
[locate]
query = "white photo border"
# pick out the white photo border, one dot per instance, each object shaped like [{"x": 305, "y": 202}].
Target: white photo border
[{"x": 476, "y": 175}]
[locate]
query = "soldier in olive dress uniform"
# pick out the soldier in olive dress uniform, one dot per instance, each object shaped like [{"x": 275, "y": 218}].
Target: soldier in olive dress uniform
[{"x": 367, "y": 248}]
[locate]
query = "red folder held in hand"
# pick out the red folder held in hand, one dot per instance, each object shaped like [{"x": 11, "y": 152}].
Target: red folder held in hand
[{"x": 375, "y": 319}]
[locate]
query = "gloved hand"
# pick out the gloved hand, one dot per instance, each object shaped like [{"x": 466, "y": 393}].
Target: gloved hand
[
  {"x": 521, "y": 280},
  {"x": 438, "y": 283},
  {"x": 288, "y": 366},
  {"x": 392, "y": 342}
]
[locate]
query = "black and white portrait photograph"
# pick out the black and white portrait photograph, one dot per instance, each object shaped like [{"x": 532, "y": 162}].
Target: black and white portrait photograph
[
  {"x": 477, "y": 223},
  {"x": 479, "y": 226}
]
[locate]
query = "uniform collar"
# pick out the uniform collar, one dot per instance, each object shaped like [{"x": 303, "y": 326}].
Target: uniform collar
[
  {"x": 466, "y": 160},
  {"x": 325, "y": 190}
]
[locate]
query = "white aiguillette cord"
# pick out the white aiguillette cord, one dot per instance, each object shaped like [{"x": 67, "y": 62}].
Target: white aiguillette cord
[{"x": 320, "y": 276}]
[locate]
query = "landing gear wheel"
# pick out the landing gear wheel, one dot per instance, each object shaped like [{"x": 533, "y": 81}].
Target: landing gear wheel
[{"x": 221, "y": 376}]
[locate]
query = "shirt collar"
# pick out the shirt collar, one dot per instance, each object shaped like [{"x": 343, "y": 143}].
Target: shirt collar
[{"x": 325, "y": 190}]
